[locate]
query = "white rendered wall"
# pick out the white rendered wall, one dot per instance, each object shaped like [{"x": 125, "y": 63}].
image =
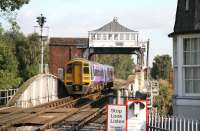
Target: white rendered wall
[{"x": 42, "y": 90}]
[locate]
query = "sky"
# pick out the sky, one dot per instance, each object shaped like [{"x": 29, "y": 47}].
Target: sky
[{"x": 154, "y": 19}]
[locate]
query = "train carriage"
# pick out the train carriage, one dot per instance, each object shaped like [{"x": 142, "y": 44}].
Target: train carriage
[{"x": 83, "y": 76}]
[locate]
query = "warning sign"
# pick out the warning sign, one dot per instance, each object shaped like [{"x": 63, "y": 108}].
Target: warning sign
[
  {"x": 116, "y": 118},
  {"x": 137, "y": 115}
]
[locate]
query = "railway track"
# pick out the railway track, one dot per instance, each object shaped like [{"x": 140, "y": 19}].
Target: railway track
[
  {"x": 98, "y": 123},
  {"x": 45, "y": 115},
  {"x": 85, "y": 115}
]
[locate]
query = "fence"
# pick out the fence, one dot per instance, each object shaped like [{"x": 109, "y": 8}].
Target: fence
[
  {"x": 5, "y": 95},
  {"x": 171, "y": 123}
]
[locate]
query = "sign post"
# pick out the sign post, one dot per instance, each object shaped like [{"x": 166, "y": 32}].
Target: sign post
[{"x": 116, "y": 118}]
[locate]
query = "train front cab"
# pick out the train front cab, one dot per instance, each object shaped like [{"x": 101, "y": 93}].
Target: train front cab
[{"x": 77, "y": 77}]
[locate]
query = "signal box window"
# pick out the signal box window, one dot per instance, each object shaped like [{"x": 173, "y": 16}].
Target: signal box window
[
  {"x": 98, "y": 36},
  {"x": 127, "y": 36},
  {"x": 104, "y": 37},
  {"x": 93, "y": 36},
  {"x": 121, "y": 36},
  {"x": 116, "y": 36},
  {"x": 109, "y": 36}
]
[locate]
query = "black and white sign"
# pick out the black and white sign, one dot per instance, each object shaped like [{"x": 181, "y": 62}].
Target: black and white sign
[
  {"x": 137, "y": 115},
  {"x": 116, "y": 118}
]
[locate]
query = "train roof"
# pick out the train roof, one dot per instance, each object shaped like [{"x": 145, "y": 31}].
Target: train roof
[
  {"x": 78, "y": 59},
  {"x": 85, "y": 60}
]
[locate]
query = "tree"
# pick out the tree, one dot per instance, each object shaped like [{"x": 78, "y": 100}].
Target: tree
[
  {"x": 8, "y": 64},
  {"x": 123, "y": 64},
  {"x": 163, "y": 101},
  {"x": 12, "y": 5},
  {"x": 28, "y": 55},
  {"x": 161, "y": 67},
  {"x": 7, "y": 10}
]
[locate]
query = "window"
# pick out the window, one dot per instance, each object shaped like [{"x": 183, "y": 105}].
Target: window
[
  {"x": 96, "y": 72},
  {"x": 121, "y": 36},
  {"x": 69, "y": 68},
  {"x": 104, "y": 37},
  {"x": 93, "y": 36},
  {"x": 132, "y": 36},
  {"x": 127, "y": 36},
  {"x": 187, "y": 5},
  {"x": 98, "y": 36},
  {"x": 109, "y": 36},
  {"x": 116, "y": 37},
  {"x": 191, "y": 50},
  {"x": 86, "y": 70},
  {"x": 192, "y": 80}
]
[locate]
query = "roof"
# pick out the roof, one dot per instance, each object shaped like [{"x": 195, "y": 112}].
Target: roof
[
  {"x": 57, "y": 41},
  {"x": 187, "y": 21},
  {"x": 113, "y": 26}
]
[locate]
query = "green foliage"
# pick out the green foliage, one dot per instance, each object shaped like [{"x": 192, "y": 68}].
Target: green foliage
[
  {"x": 19, "y": 58},
  {"x": 28, "y": 55},
  {"x": 164, "y": 101},
  {"x": 14, "y": 25},
  {"x": 161, "y": 67},
  {"x": 11, "y": 5},
  {"x": 123, "y": 64},
  {"x": 8, "y": 65}
]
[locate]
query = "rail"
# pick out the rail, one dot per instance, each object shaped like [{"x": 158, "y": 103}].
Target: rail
[{"x": 24, "y": 115}]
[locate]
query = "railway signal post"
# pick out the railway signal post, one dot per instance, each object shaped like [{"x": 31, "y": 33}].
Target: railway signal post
[{"x": 41, "y": 20}]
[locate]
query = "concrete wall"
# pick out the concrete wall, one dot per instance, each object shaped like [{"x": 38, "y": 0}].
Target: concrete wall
[{"x": 40, "y": 89}]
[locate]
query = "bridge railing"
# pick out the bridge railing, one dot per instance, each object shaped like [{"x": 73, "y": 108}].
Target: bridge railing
[
  {"x": 158, "y": 122},
  {"x": 5, "y": 95}
]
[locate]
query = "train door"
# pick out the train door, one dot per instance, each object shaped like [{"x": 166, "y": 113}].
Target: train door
[{"x": 77, "y": 73}]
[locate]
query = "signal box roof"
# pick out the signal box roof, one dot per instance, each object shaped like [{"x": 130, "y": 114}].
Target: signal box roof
[{"x": 113, "y": 26}]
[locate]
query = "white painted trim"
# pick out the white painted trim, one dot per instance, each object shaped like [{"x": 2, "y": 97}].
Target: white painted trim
[
  {"x": 180, "y": 63},
  {"x": 188, "y": 102}
]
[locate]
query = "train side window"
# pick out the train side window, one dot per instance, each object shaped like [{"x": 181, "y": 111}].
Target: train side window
[
  {"x": 97, "y": 73},
  {"x": 86, "y": 70},
  {"x": 69, "y": 68}
]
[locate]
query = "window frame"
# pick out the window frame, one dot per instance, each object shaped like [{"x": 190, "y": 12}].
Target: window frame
[
  {"x": 187, "y": 5},
  {"x": 71, "y": 69},
  {"x": 127, "y": 36},
  {"x": 192, "y": 66}
]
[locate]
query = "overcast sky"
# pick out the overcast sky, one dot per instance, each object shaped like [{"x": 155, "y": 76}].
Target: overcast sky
[{"x": 154, "y": 19}]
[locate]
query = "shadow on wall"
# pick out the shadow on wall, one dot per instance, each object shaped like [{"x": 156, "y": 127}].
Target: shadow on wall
[{"x": 62, "y": 92}]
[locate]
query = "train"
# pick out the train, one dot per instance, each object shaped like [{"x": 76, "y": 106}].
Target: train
[{"x": 83, "y": 76}]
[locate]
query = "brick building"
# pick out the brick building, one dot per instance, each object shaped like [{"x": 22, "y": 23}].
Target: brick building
[{"x": 63, "y": 49}]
